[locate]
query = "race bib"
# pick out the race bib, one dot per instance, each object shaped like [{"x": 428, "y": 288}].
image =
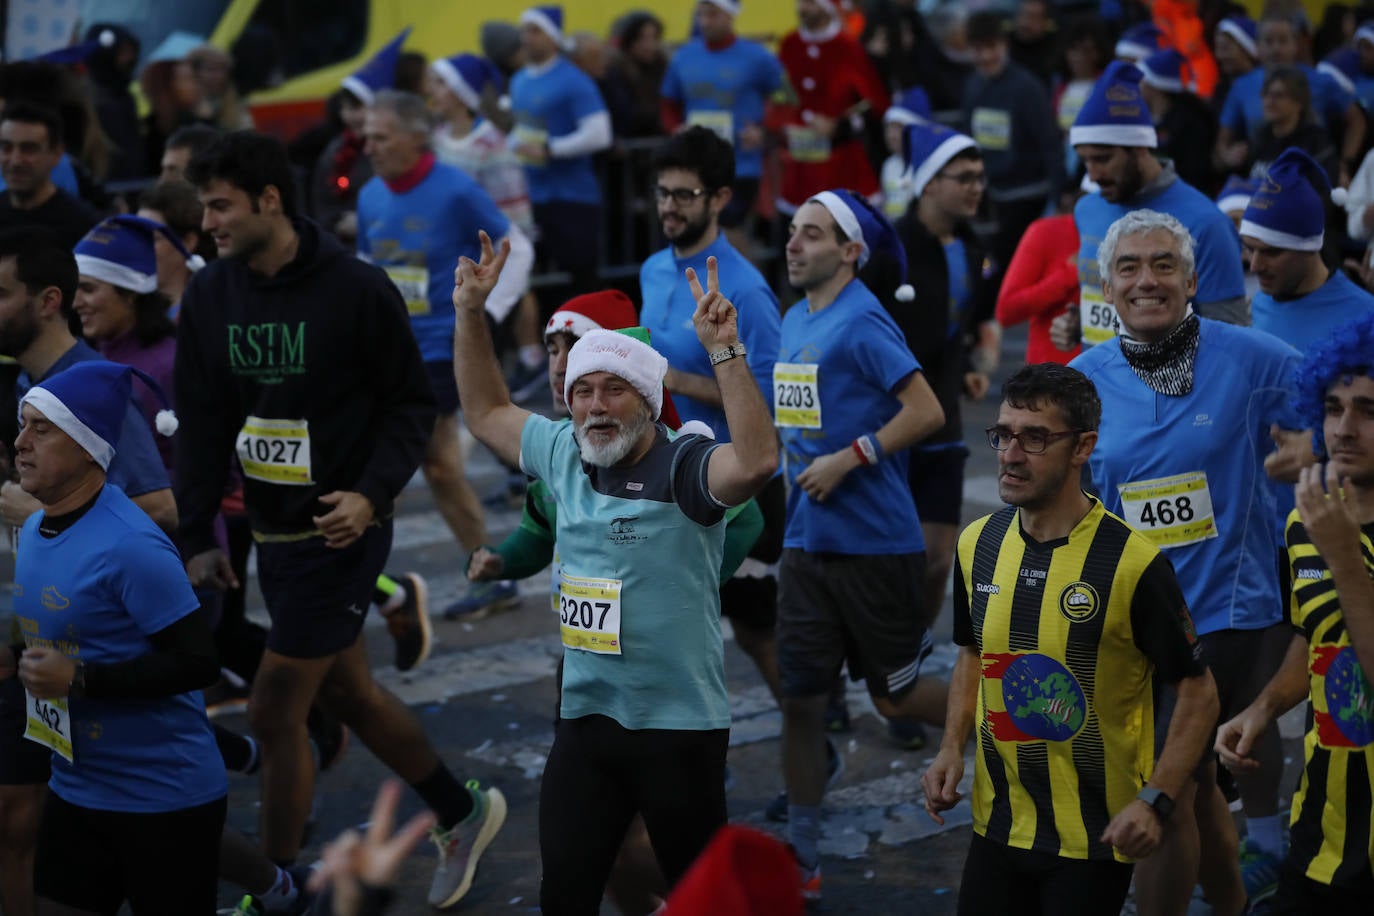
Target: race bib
[
  {"x": 1098, "y": 316},
  {"x": 992, "y": 128},
  {"x": 413, "y": 282},
  {"x": 796, "y": 395},
  {"x": 522, "y": 134},
  {"x": 806, "y": 144},
  {"x": 1170, "y": 511},
  {"x": 276, "y": 451},
  {"x": 589, "y": 614},
  {"x": 50, "y": 725},
  {"x": 720, "y": 123}
]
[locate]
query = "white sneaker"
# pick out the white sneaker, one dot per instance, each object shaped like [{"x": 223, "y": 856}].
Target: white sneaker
[{"x": 461, "y": 846}]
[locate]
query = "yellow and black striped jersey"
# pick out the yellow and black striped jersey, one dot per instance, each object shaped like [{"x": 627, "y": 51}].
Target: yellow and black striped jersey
[
  {"x": 1072, "y": 634},
  {"x": 1332, "y": 829}
]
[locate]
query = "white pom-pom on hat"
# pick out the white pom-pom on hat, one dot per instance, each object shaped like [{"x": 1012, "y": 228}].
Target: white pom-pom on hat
[
  {"x": 906, "y": 293},
  {"x": 167, "y": 422},
  {"x": 697, "y": 428},
  {"x": 1339, "y": 196},
  {"x": 107, "y": 38}
]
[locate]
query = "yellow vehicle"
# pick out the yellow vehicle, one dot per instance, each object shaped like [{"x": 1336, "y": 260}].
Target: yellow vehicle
[{"x": 307, "y": 47}]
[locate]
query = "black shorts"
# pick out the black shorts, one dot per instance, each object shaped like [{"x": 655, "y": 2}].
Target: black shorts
[
  {"x": 750, "y": 602},
  {"x": 936, "y": 476},
  {"x": 1003, "y": 879},
  {"x": 1299, "y": 895},
  {"x": 444, "y": 386},
  {"x": 318, "y": 596},
  {"x": 164, "y": 863},
  {"x": 744, "y": 192},
  {"x": 22, "y": 762},
  {"x": 834, "y": 607}
]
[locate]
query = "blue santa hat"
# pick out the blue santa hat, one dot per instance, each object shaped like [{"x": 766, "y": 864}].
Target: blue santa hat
[
  {"x": 911, "y": 107},
  {"x": 468, "y": 75},
  {"x": 72, "y": 54},
  {"x": 119, "y": 250},
  {"x": 1140, "y": 41},
  {"x": 1115, "y": 114},
  {"x": 928, "y": 147},
  {"x": 864, "y": 223},
  {"x": 378, "y": 73},
  {"x": 1243, "y": 31},
  {"x": 548, "y": 19},
  {"x": 1167, "y": 71},
  {"x": 1236, "y": 194},
  {"x": 1365, "y": 32},
  {"x": 1343, "y": 66},
  {"x": 1288, "y": 209},
  {"x": 89, "y": 402}
]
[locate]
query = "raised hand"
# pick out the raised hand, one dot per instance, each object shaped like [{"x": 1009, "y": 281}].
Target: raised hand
[
  {"x": 473, "y": 283},
  {"x": 715, "y": 318},
  {"x": 1323, "y": 502}
]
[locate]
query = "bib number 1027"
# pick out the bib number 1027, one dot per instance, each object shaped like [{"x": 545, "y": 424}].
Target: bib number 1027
[{"x": 588, "y": 615}]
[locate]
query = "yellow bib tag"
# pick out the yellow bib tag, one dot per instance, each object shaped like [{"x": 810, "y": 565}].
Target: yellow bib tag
[
  {"x": 991, "y": 128},
  {"x": 523, "y": 134},
  {"x": 413, "y": 282},
  {"x": 50, "y": 725},
  {"x": 720, "y": 123},
  {"x": 806, "y": 144},
  {"x": 589, "y": 614},
  {"x": 1098, "y": 316},
  {"x": 276, "y": 451},
  {"x": 1170, "y": 511},
  {"x": 796, "y": 395}
]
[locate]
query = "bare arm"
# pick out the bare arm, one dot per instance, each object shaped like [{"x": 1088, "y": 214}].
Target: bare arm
[
  {"x": 487, "y": 407},
  {"x": 1286, "y": 689},
  {"x": 940, "y": 781},
  {"x": 1195, "y": 714},
  {"x": 161, "y": 507},
  {"x": 701, "y": 388}
]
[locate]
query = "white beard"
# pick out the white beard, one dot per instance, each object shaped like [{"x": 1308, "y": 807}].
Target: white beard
[{"x": 615, "y": 451}]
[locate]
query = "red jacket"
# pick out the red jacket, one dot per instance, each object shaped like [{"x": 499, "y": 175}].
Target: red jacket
[{"x": 1040, "y": 283}]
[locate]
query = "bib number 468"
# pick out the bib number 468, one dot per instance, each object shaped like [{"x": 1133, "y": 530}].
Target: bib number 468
[
  {"x": 1167, "y": 511},
  {"x": 583, "y": 614}
]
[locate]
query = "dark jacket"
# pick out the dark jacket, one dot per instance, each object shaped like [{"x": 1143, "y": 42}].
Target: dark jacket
[
  {"x": 1187, "y": 133},
  {"x": 328, "y": 341},
  {"x": 1011, "y": 119}
]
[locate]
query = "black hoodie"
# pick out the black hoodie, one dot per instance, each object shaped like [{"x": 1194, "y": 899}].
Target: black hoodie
[{"x": 326, "y": 340}]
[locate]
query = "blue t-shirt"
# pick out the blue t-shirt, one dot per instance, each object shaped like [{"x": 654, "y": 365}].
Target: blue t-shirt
[
  {"x": 549, "y": 104},
  {"x": 959, "y": 292},
  {"x": 1303, "y": 321},
  {"x": 668, "y": 309},
  {"x": 137, "y": 467},
  {"x": 1220, "y": 273},
  {"x": 1364, "y": 91},
  {"x": 1205, "y": 447},
  {"x": 655, "y": 531},
  {"x": 96, "y": 592},
  {"x": 735, "y": 80},
  {"x": 1243, "y": 111},
  {"x": 63, "y": 175},
  {"x": 861, "y": 361},
  {"x": 417, "y": 238}
]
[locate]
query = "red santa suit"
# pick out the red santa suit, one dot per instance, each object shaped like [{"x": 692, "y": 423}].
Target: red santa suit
[{"x": 831, "y": 75}]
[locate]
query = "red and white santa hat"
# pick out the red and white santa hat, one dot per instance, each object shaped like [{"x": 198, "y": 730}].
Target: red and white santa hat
[{"x": 607, "y": 308}]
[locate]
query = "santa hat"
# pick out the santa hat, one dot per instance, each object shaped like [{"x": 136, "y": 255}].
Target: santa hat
[
  {"x": 729, "y": 6},
  {"x": 1244, "y": 32},
  {"x": 89, "y": 402},
  {"x": 1236, "y": 194},
  {"x": 1115, "y": 114},
  {"x": 1365, "y": 32},
  {"x": 626, "y": 354},
  {"x": 864, "y": 223},
  {"x": 1288, "y": 209},
  {"x": 607, "y": 308},
  {"x": 468, "y": 75},
  {"x": 741, "y": 872},
  {"x": 548, "y": 19},
  {"x": 1140, "y": 41},
  {"x": 72, "y": 54},
  {"x": 911, "y": 107},
  {"x": 119, "y": 250},
  {"x": 1167, "y": 71},
  {"x": 1343, "y": 66},
  {"x": 378, "y": 73},
  {"x": 928, "y": 147}
]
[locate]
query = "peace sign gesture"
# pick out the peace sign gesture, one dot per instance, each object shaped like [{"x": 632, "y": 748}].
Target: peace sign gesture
[
  {"x": 473, "y": 283},
  {"x": 715, "y": 317}
]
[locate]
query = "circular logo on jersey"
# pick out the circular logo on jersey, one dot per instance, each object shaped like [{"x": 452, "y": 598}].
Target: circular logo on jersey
[
  {"x": 1043, "y": 698},
  {"x": 1078, "y": 602},
  {"x": 1349, "y": 700}
]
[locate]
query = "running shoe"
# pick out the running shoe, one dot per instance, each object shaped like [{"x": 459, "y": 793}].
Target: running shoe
[
  {"x": 409, "y": 624},
  {"x": 810, "y": 878},
  {"x": 462, "y": 845},
  {"x": 1259, "y": 872},
  {"x": 834, "y": 767},
  {"x": 227, "y": 696},
  {"x": 906, "y": 734},
  {"x": 248, "y": 906},
  {"x": 484, "y": 599}
]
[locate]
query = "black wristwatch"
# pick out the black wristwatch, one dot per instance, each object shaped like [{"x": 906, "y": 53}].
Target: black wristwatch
[
  {"x": 1161, "y": 804},
  {"x": 78, "y": 684}
]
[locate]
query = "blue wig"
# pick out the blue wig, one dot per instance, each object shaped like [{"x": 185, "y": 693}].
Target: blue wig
[{"x": 1348, "y": 351}]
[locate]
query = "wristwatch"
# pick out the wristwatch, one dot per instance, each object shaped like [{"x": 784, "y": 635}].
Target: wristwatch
[
  {"x": 1161, "y": 804},
  {"x": 730, "y": 352},
  {"x": 77, "y": 688}
]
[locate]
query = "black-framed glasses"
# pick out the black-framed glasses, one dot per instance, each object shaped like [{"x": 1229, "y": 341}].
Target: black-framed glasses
[
  {"x": 1033, "y": 441},
  {"x": 681, "y": 196},
  {"x": 967, "y": 179}
]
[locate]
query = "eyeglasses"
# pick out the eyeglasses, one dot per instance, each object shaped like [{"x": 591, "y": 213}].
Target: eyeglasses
[
  {"x": 967, "y": 179},
  {"x": 1033, "y": 441},
  {"x": 681, "y": 196}
]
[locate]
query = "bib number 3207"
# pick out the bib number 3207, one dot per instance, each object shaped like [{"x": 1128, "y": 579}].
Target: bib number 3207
[{"x": 589, "y": 614}]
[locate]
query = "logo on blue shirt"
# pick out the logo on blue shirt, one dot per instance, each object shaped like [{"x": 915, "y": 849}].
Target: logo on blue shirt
[{"x": 52, "y": 599}]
